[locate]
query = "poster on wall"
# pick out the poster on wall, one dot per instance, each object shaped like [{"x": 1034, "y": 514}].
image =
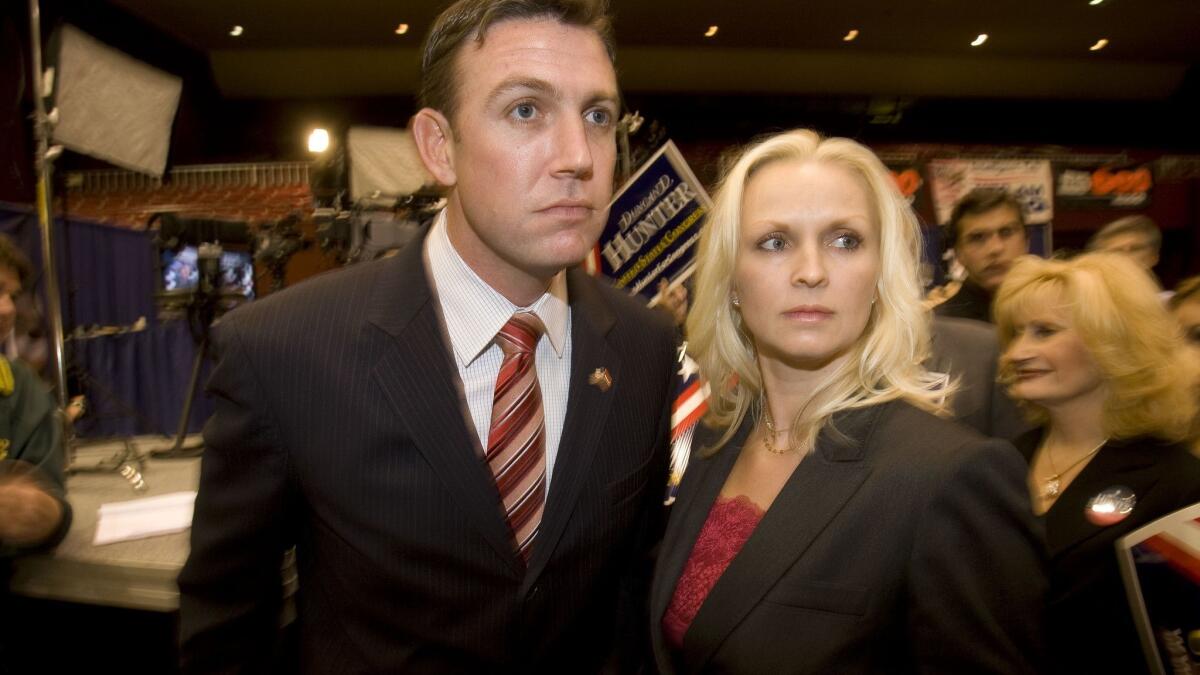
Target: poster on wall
[
  {"x": 910, "y": 183},
  {"x": 653, "y": 227},
  {"x": 1103, "y": 186},
  {"x": 1030, "y": 180},
  {"x": 906, "y": 172}
]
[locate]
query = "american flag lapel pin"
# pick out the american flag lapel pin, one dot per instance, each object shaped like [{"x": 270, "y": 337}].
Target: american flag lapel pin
[{"x": 600, "y": 379}]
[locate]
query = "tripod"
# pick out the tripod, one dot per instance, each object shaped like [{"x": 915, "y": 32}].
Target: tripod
[
  {"x": 178, "y": 449},
  {"x": 203, "y": 305}
]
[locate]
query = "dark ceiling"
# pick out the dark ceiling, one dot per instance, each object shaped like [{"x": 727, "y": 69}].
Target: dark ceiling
[{"x": 1036, "y": 48}]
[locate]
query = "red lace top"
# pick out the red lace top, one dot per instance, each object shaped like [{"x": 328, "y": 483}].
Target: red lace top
[{"x": 730, "y": 523}]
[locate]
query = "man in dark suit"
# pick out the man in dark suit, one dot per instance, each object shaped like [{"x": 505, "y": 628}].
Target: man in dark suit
[
  {"x": 987, "y": 231},
  {"x": 465, "y": 443},
  {"x": 970, "y": 353}
]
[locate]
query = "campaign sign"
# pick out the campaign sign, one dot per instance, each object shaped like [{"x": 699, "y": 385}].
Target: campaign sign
[
  {"x": 1160, "y": 565},
  {"x": 653, "y": 227}
]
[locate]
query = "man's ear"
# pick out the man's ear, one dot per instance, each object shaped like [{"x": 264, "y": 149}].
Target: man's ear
[{"x": 432, "y": 135}]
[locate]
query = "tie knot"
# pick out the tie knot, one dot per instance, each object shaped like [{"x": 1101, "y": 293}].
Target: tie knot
[{"x": 520, "y": 334}]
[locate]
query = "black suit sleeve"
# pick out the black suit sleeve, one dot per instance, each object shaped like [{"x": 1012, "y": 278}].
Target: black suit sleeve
[
  {"x": 230, "y": 587},
  {"x": 633, "y": 652},
  {"x": 977, "y": 573}
]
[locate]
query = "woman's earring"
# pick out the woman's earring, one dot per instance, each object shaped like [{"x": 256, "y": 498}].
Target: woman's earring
[{"x": 735, "y": 300}]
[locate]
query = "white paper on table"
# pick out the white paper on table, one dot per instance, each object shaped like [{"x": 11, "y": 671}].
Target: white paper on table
[{"x": 141, "y": 518}]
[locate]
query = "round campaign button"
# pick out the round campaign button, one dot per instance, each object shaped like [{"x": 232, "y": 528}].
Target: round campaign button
[{"x": 1110, "y": 505}]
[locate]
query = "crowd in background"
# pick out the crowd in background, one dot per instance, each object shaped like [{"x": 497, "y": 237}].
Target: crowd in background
[{"x": 465, "y": 444}]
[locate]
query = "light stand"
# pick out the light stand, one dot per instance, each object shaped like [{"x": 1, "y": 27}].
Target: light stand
[{"x": 43, "y": 158}]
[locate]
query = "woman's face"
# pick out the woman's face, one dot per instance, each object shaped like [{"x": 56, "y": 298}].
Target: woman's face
[
  {"x": 1188, "y": 316},
  {"x": 807, "y": 262},
  {"x": 1048, "y": 360}
]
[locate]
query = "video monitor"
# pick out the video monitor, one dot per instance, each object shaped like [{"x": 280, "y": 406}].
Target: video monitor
[{"x": 181, "y": 272}]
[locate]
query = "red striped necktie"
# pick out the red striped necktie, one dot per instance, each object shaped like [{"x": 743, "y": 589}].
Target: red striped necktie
[{"x": 516, "y": 451}]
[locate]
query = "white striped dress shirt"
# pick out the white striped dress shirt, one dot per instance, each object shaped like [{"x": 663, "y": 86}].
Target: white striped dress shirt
[{"x": 474, "y": 312}]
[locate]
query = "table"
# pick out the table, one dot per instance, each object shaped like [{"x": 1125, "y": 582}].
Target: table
[{"x": 132, "y": 574}]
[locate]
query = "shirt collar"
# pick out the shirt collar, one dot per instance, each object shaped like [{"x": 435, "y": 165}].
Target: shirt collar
[{"x": 474, "y": 311}]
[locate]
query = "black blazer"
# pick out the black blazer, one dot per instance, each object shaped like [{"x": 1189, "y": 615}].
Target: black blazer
[
  {"x": 1090, "y": 625},
  {"x": 970, "y": 302},
  {"x": 905, "y": 543},
  {"x": 340, "y": 427}
]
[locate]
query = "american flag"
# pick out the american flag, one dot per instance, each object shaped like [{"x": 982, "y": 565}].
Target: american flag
[
  {"x": 691, "y": 402},
  {"x": 1180, "y": 548}
]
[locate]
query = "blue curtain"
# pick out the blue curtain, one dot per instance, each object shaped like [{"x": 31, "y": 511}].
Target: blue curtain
[
  {"x": 135, "y": 381},
  {"x": 106, "y": 274}
]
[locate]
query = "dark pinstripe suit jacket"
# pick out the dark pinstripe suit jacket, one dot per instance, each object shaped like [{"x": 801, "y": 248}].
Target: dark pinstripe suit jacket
[{"x": 340, "y": 427}]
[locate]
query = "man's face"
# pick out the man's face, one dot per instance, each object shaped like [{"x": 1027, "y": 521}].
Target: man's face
[
  {"x": 988, "y": 243},
  {"x": 532, "y": 149},
  {"x": 10, "y": 288},
  {"x": 1136, "y": 245}
]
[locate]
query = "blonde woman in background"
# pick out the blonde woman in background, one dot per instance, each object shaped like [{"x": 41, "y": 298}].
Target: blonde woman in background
[
  {"x": 1184, "y": 304},
  {"x": 1092, "y": 353},
  {"x": 832, "y": 522}
]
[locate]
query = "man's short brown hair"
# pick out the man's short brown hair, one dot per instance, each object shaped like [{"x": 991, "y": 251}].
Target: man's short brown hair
[
  {"x": 977, "y": 202},
  {"x": 471, "y": 19}
]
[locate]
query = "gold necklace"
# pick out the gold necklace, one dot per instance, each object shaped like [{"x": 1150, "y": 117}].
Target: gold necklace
[
  {"x": 1052, "y": 485},
  {"x": 769, "y": 437}
]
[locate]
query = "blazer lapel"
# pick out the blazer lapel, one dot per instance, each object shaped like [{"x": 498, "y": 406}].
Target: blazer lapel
[
  {"x": 702, "y": 483},
  {"x": 418, "y": 377},
  {"x": 588, "y": 409},
  {"x": 1120, "y": 463},
  {"x": 813, "y": 495}
]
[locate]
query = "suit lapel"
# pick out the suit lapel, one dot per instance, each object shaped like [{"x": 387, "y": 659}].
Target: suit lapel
[
  {"x": 702, "y": 483},
  {"x": 813, "y": 495},
  {"x": 418, "y": 377},
  {"x": 1119, "y": 463},
  {"x": 588, "y": 410}
]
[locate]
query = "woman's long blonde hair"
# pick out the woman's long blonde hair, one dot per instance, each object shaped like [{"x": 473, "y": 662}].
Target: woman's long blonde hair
[
  {"x": 885, "y": 363},
  {"x": 1114, "y": 306}
]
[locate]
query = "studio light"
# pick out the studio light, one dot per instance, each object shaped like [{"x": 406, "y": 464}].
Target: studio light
[{"x": 318, "y": 141}]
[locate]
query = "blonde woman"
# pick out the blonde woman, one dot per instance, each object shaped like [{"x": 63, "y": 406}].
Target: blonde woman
[
  {"x": 831, "y": 521},
  {"x": 1092, "y": 353},
  {"x": 1184, "y": 304}
]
